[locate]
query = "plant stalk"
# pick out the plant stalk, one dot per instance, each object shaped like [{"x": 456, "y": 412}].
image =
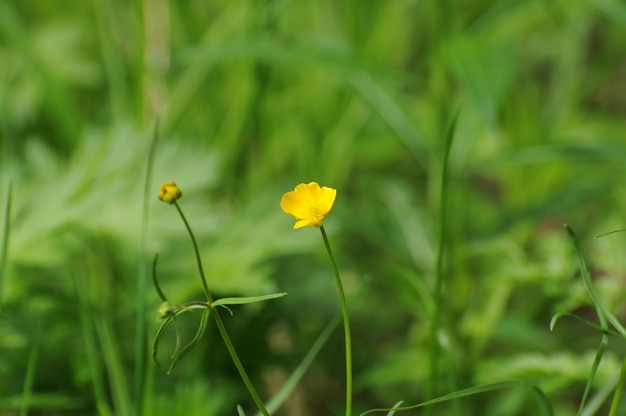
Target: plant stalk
[
  {"x": 219, "y": 323},
  {"x": 346, "y": 324}
]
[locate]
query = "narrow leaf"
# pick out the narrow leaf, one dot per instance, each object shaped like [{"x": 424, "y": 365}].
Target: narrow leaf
[
  {"x": 544, "y": 403},
  {"x": 5, "y": 237},
  {"x": 244, "y": 300},
  {"x": 395, "y": 406},
  {"x": 591, "y": 289},
  {"x": 295, "y": 377},
  {"x": 607, "y": 331},
  {"x": 193, "y": 342},
  {"x": 457, "y": 395},
  {"x": 157, "y": 338},
  {"x": 155, "y": 281},
  {"x": 603, "y": 315}
]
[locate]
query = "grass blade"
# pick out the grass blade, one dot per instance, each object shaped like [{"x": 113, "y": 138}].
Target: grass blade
[
  {"x": 544, "y": 403},
  {"x": 30, "y": 373},
  {"x": 118, "y": 385},
  {"x": 485, "y": 388},
  {"x": 5, "y": 238},
  {"x": 600, "y": 309},
  {"x": 92, "y": 352},
  {"x": 584, "y": 321},
  {"x": 141, "y": 335},
  {"x": 618, "y": 390},
  {"x": 295, "y": 377},
  {"x": 603, "y": 311},
  {"x": 438, "y": 293},
  {"x": 392, "y": 113},
  {"x": 395, "y": 406}
]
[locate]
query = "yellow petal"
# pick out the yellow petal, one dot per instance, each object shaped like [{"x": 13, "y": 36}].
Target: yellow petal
[{"x": 308, "y": 204}]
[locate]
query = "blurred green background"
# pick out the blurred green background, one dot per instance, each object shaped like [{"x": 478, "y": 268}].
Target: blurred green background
[{"x": 255, "y": 97}]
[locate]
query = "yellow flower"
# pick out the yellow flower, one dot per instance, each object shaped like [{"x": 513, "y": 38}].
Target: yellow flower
[
  {"x": 308, "y": 204},
  {"x": 169, "y": 192}
]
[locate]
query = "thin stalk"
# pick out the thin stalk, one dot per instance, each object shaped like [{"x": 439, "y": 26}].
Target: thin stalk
[
  {"x": 30, "y": 373},
  {"x": 618, "y": 390},
  {"x": 439, "y": 270},
  {"x": 5, "y": 238},
  {"x": 346, "y": 324},
  {"x": 141, "y": 335},
  {"x": 220, "y": 324},
  {"x": 197, "y": 252},
  {"x": 237, "y": 362}
]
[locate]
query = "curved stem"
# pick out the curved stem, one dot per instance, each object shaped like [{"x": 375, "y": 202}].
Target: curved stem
[
  {"x": 197, "y": 252},
  {"x": 346, "y": 324},
  {"x": 219, "y": 323}
]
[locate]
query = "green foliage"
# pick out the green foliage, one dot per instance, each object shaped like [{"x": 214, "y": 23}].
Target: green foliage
[{"x": 255, "y": 97}]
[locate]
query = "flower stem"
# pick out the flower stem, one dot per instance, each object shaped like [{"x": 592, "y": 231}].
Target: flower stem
[
  {"x": 220, "y": 324},
  {"x": 346, "y": 324},
  {"x": 237, "y": 362},
  {"x": 197, "y": 252}
]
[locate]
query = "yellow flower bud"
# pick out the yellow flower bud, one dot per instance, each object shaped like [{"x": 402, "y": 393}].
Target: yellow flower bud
[
  {"x": 169, "y": 192},
  {"x": 308, "y": 204}
]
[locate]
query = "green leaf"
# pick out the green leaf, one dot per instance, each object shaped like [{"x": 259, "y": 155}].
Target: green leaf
[
  {"x": 5, "y": 237},
  {"x": 285, "y": 391},
  {"x": 248, "y": 299},
  {"x": 544, "y": 403},
  {"x": 603, "y": 311},
  {"x": 395, "y": 406},
  {"x": 456, "y": 395},
  {"x": 157, "y": 338},
  {"x": 586, "y": 322},
  {"x": 155, "y": 280},
  {"x": 193, "y": 342}
]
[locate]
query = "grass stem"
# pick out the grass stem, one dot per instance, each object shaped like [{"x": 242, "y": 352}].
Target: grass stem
[{"x": 618, "y": 390}]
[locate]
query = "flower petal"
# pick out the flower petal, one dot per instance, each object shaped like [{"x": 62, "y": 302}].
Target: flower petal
[{"x": 308, "y": 204}]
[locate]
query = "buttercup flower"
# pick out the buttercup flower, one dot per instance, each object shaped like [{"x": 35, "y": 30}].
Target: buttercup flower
[
  {"x": 169, "y": 192},
  {"x": 308, "y": 204}
]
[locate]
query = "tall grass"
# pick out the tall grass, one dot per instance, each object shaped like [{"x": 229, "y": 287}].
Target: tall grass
[{"x": 257, "y": 96}]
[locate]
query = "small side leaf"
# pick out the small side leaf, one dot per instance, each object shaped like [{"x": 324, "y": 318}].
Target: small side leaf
[
  {"x": 603, "y": 311},
  {"x": 193, "y": 342},
  {"x": 155, "y": 280},
  {"x": 157, "y": 338},
  {"x": 456, "y": 395},
  {"x": 395, "y": 406},
  {"x": 607, "y": 331},
  {"x": 245, "y": 300}
]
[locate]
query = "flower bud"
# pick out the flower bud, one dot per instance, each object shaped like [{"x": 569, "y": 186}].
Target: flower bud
[
  {"x": 169, "y": 192},
  {"x": 165, "y": 310}
]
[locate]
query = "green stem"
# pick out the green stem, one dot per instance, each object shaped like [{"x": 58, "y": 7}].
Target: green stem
[
  {"x": 197, "y": 252},
  {"x": 220, "y": 324},
  {"x": 237, "y": 362},
  {"x": 346, "y": 324},
  {"x": 141, "y": 334},
  {"x": 5, "y": 238},
  {"x": 618, "y": 390},
  {"x": 439, "y": 270}
]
